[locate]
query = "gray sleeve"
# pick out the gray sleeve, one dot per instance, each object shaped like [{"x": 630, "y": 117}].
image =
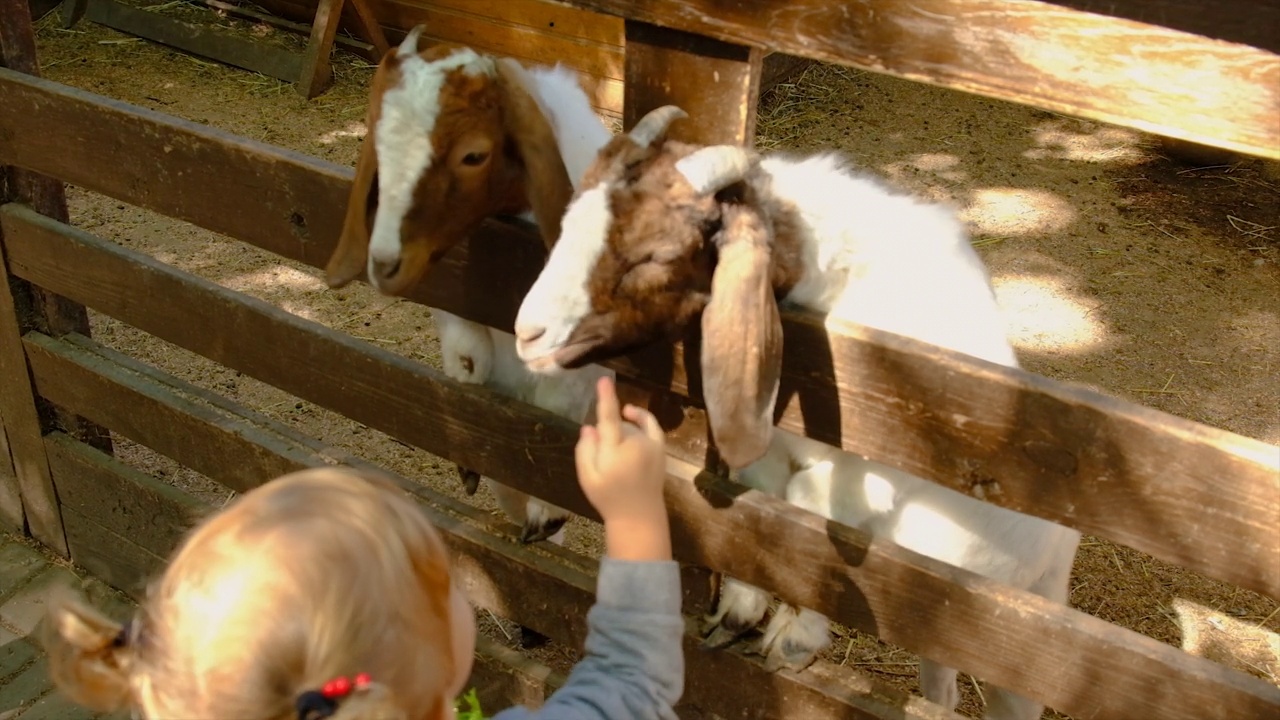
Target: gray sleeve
[{"x": 634, "y": 663}]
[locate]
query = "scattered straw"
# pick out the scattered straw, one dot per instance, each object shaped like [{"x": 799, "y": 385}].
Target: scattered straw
[{"x": 1162, "y": 391}]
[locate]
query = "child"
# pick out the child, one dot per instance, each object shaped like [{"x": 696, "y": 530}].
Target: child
[{"x": 326, "y": 594}]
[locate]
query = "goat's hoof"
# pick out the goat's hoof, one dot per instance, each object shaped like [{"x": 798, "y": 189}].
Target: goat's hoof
[
  {"x": 530, "y": 638},
  {"x": 722, "y": 636},
  {"x": 470, "y": 479},
  {"x": 788, "y": 655},
  {"x": 542, "y": 531}
]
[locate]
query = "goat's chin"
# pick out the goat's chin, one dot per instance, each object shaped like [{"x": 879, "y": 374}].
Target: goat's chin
[
  {"x": 544, "y": 365},
  {"x": 401, "y": 284}
]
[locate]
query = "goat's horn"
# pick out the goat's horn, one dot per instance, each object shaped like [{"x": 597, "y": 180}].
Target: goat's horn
[
  {"x": 409, "y": 46},
  {"x": 715, "y": 167},
  {"x": 654, "y": 124}
]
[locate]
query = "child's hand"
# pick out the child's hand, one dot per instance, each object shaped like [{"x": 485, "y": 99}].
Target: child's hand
[{"x": 622, "y": 468}]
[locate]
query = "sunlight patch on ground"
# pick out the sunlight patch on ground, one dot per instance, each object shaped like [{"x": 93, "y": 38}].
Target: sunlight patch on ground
[
  {"x": 1104, "y": 144},
  {"x": 278, "y": 277},
  {"x": 1016, "y": 211},
  {"x": 943, "y": 165},
  {"x": 301, "y": 311},
  {"x": 1043, "y": 314},
  {"x": 352, "y": 130}
]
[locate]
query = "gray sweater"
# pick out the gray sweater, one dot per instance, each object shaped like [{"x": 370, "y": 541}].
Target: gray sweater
[{"x": 634, "y": 664}]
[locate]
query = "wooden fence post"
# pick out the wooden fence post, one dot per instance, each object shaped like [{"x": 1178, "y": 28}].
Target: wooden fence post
[
  {"x": 718, "y": 85},
  {"x": 24, "y": 307}
]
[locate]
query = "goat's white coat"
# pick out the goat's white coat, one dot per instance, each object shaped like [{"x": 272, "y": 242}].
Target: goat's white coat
[
  {"x": 403, "y": 142},
  {"x": 874, "y": 258},
  {"x": 490, "y": 353},
  {"x": 582, "y": 234}
]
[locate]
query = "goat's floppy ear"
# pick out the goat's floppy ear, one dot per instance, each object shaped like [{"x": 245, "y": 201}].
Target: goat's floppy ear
[
  {"x": 741, "y": 340},
  {"x": 545, "y": 179},
  {"x": 349, "y": 258}
]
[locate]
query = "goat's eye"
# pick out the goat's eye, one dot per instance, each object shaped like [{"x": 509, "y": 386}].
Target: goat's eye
[{"x": 473, "y": 159}]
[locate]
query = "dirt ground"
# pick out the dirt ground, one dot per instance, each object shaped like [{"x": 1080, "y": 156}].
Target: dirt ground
[{"x": 1142, "y": 277}]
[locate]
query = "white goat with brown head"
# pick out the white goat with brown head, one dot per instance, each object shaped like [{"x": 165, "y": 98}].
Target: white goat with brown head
[
  {"x": 455, "y": 137},
  {"x": 663, "y": 232}
]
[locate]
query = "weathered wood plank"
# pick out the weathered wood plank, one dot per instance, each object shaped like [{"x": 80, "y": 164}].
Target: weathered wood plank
[
  {"x": 907, "y": 599},
  {"x": 484, "y": 430},
  {"x": 359, "y": 47},
  {"x": 315, "y": 72},
  {"x": 162, "y": 417},
  {"x": 1132, "y": 474},
  {"x": 549, "y": 588},
  {"x": 508, "y": 39},
  {"x": 121, "y": 562},
  {"x": 1083, "y": 459},
  {"x": 1239, "y": 21},
  {"x": 716, "y": 83},
  {"x": 24, "y": 425},
  {"x": 551, "y": 18},
  {"x": 127, "y": 502},
  {"x": 11, "y": 513},
  {"x": 503, "y": 677},
  {"x": 366, "y": 22},
  {"x": 197, "y": 39},
  {"x": 1104, "y": 68}
]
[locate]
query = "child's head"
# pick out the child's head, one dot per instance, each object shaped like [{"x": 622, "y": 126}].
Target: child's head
[{"x": 315, "y": 575}]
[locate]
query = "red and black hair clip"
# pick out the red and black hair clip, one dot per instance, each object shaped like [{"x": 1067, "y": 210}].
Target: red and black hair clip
[{"x": 322, "y": 703}]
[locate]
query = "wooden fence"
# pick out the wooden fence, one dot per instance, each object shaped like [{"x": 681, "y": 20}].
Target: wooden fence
[{"x": 1110, "y": 468}]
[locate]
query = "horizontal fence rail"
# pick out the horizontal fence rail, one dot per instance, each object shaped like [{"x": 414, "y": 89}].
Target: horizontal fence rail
[
  {"x": 1107, "y": 467},
  {"x": 922, "y": 605},
  {"x": 546, "y": 588},
  {"x": 1098, "y": 66}
]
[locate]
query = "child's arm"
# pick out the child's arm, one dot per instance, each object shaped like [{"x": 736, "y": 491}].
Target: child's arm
[{"x": 634, "y": 666}]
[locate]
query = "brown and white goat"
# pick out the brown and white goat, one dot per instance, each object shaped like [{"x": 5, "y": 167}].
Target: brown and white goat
[
  {"x": 455, "y": 137},
  {"x": 663, "y": 232}
]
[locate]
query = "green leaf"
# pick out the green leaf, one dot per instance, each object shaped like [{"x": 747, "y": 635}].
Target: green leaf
[{"x": 472, "y": 711}]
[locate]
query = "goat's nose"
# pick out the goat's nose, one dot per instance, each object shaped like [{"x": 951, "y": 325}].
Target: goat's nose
[
  {"x": 529, "y": 333},
  {"x": 386, "y": 268}
]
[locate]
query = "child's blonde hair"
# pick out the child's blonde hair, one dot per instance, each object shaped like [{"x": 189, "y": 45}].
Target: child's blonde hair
[{"x": 317, "y": 574}]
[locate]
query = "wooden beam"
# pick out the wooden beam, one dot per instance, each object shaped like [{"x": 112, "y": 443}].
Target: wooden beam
[
  {"x": 364, "y": 49},
  {"x": 367, "y": 26},
  {"x": 1013, "y": 638},
  {"x": 716, "y": 83},
  {"x": 316, "y": 72},
  {"x": 1238, "y": 21},
  {"x": 1119, "y": 71},
  {"x": 201, "y": 40},
  {"x": 11, "y": 513},
  {"x": 1083, "y": 459}
]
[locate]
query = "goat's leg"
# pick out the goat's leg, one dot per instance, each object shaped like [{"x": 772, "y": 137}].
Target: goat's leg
[
  {"x": 740, "y": 608},
  {"x": 793, "y": 638},
  {"x": 520, "y": 507},
  {"x": 1054, "y": 584},
  {"x": 938, "y": 684},
  {"x": 466, "y": 351},
  {"x": 538, "y": 520}
]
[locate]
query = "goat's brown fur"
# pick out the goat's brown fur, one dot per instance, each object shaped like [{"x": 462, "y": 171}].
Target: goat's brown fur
[
  {"x": 676, "y": 253},
  {"x": 524, "y": 171}
]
